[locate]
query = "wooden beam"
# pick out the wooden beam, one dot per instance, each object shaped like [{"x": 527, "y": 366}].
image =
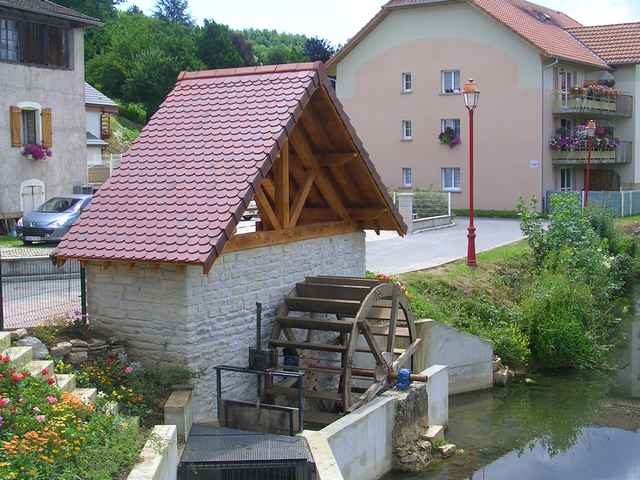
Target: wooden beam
[
  {"x": 266, "y": 210},
  {"x": 269, "y": 189},
  {"x": 301, "y": 198},
  {"x": 335, "y": 159},
  {"x": 281, "y": 177},
  {"x": 308, "y": 157},
  {"x": 248, "y": 241},
  {"x": 356, "y": 214}
]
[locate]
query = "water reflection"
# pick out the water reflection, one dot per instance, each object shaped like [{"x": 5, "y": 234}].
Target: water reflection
[{"x": 628, "y": 383}]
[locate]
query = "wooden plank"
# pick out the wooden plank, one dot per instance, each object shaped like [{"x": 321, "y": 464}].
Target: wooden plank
[
  {"x": 247, "y": 241},
  {"x": 320, "y": 418},
  {"x": 269, "y": 188},
  {"x": 348, "y": 365},
  {"x": 391, "y": 337},
  {"x": 383, "y": 313},
  {"x": 373, "y": 345},
  {"x": 321, "y": 347},
  {"x": 308, "y": 157},
  {"x": 384, "y": 331},
  {"x": 367, "y": 396},
  {"x": 323, "y": 305},
  {"x": 314, "y": 324},
  {"x": 266, "y": 210},
  {"x": 336, "y": 159},
  {"x": 281, "y": 180},
  {"x": 301, "y": 198},
  {"x": 406, "y": 355},
  {"x": 293, "y": 393},
  {"x": 356, "y": 214},
  {"x": 338, "y": 292},
  {"x": 356, "y": 281}
]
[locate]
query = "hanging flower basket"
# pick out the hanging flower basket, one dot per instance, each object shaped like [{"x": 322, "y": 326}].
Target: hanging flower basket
[
  {"x": 449, "y": 137},
  {"x": 36, "y": 151}
]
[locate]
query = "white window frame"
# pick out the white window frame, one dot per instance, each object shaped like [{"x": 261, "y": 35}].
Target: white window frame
[
  {"x": 567, "y": 174},
  {"x": 450, "y": 122},
  {"x": 407, "y": 82},
  {"x": 407, "y": 130},
  {"x": 407, "y": 177},
  {"x": 453, "y": 187},
  {"x": 455, "y": 90},
  {"x": 31, "y": 106}
]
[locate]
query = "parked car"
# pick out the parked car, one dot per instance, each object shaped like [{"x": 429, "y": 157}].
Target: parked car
[{"x": 51, "y": 220}]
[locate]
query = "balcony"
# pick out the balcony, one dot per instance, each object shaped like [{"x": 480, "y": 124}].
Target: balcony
[
  {"x": 597, "y": 106},
  {"x": 621, "y": 154}
]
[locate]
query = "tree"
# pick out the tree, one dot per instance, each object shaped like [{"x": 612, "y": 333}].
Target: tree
[
  {"x": 318, "y": 49},
  {"x": 173, "y": 11},
  {"x": 215, "y": 47},
  {"x": 245, "y": 48},
  {"x": 101, "y": 9}
]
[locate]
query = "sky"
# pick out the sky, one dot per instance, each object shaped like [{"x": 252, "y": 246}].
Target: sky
[{"x": 339, "y": 20}]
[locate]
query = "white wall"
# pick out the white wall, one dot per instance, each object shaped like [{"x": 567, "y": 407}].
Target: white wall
[
  {"x": 177, "y": 314},
  {"x": 93, "y": 123},
  {"x": 63, "y": 91}
]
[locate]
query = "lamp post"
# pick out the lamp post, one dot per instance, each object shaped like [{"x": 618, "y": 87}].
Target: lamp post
[
  {"x": 591, "y": 132},
  {"x": 471, "y": 96}
]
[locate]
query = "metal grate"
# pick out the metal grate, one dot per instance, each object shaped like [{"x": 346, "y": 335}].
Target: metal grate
[{"x": 224, "y": 454}]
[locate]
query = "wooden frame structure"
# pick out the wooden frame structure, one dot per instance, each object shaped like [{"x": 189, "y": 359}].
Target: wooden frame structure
[
  {"x": 345, "y": 310},
  {"x": 319, "y": 185}
]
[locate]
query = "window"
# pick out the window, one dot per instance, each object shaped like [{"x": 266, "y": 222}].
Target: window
[
  {"x": 451, "y": 81},
  {"x": 566, "y": 179},
  {"x": 451, "y": 179},
  {"x": 407, "y": 130},
  {"x": 407, "y": 82},
  {"x": 407, "y": 177},
  {"x": 8, "y": 40},
  {"x": 29, "y": 130},
  {"x": 34, "y": 43},
  {"x": 452, "y": 123}
]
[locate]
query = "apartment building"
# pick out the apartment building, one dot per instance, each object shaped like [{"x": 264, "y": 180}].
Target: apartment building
[{"x": 542, "y": 77}]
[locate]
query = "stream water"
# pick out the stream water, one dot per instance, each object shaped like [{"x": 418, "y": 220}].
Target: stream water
[{"x": 570, "y": 426}]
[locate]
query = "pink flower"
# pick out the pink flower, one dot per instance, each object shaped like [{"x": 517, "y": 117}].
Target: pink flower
[
  {"x": 52, "y": 400},
  {"x": 40, "y": 418},
  {"x": 51, "y": 381},
  {"x": 4, "y": 402},
  {"x": 36, "y": 410},
  {"x": 128, "y": 370},
  {"x": 45, "y": 372}
]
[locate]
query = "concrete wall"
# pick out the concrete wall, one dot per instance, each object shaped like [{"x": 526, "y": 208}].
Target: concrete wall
[
  {"x": 425, "y": 40},
  {"x": 359, "y": 446},
  {"x": 467, "y": 357},
  {"x": 159, "y": 456},
  {"x": 179, "y": 315},
  {"x": 61, "y": 90}
]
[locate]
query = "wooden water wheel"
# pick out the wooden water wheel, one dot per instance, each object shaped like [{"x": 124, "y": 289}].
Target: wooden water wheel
[{"x": 336, "y": 319}]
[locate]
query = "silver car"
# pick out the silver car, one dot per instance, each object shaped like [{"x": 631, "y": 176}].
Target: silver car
[{"x": 51, "y": 220}]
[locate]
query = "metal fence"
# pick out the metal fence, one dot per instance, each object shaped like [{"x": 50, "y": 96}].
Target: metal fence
[
  {"x": 34, "y": 291},
  {"x": 623, "y": 203}
]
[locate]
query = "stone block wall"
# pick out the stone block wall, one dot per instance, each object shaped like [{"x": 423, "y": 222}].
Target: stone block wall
[{"x": 181, "y": 315}]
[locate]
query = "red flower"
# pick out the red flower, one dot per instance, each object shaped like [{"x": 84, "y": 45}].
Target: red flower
[
  {"x": 5, "y": 358},
  {"x": 110, "y": 359},
  {"x": 45, "y": 372},
  {"x": 17, "y": 377},
  {"x": 51, "y": 381}
]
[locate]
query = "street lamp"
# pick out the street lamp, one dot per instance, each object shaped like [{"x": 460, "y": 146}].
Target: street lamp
[
  {"x": 591, "y": 132},
  {"x": 471, "y": 97}
]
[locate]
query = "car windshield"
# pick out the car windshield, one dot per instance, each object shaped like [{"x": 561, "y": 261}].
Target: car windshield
[{"x": 58, "y": 205}]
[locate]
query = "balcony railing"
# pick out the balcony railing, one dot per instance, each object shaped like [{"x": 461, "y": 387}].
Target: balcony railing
[
  {"x": 617, "y": 105},
  {"x": 98, "y": 173},
  {"x": 620, "y": 155}
]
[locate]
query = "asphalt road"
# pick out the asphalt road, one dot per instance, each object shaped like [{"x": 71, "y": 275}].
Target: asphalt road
[{"x": 391, "y": 254}]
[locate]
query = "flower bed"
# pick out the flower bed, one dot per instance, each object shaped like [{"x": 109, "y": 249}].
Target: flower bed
[{"x": 54, "y": 435}]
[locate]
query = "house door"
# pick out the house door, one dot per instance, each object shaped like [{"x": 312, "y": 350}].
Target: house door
[{"x": 31, "y": 196}]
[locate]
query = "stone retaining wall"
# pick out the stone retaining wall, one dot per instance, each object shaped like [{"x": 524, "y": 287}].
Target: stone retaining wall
[{"x": 177, "y": 314}]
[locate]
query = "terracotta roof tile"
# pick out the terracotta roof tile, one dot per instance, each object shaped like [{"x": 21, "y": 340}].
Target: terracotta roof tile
[
  {"x": 184, "y": 184},
  {"x": 616, "y": 44}
]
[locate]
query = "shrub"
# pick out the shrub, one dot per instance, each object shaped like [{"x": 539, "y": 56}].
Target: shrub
[
  {"x": 134, "y": 112},
  {"x": 558, "y": 313}
]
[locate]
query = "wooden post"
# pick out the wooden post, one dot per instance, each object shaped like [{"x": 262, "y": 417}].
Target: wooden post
[{"x": 281, "y": 177}]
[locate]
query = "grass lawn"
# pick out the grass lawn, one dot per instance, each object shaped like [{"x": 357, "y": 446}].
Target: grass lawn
[{"x": 8, "y": 241}]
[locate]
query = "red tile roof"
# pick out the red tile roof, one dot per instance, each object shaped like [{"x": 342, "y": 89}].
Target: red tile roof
[
  {"x": 182, "y": 187},
  {"x": 616, "y": 44},
  {"x": 542, "y": 27}
]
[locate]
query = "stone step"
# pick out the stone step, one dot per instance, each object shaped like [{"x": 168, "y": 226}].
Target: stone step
[
  {"x": 87, "y": 395},
  {"x": 66, "y": 382},
  {"x": 5, "y": 340},
  {"x": 20, "y": 356},
  {"x": 35, "y": 368}
]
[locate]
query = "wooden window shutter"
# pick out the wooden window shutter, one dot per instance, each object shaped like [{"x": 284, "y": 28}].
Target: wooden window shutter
[
  {"x": 16, "y": 124},
  {"x": 47, "y": 131}
]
